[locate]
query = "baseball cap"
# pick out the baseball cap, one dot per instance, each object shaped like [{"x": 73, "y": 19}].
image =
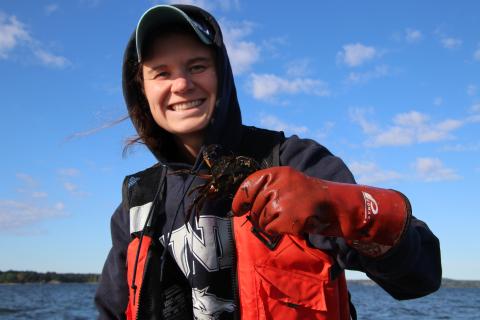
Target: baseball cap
[{"x": 167, "y": 15}]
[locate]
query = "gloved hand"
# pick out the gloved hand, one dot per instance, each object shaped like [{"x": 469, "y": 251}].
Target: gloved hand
[{"x": 283, "y": 200}]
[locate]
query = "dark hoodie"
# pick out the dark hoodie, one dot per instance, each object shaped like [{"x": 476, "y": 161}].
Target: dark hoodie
[{"x": 411, "y": 269}]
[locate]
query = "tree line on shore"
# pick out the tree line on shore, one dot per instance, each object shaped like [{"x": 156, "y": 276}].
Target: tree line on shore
[{"x": 12, "y": 276}]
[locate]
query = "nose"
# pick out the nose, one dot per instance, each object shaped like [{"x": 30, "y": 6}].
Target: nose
[{"x": 182, "y": 83}]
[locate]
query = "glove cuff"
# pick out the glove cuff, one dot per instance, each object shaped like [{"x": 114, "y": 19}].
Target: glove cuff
[{"x": 385, "y": 229}]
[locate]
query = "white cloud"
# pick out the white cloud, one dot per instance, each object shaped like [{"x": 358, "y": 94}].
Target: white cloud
[
  {"x": 17, "y": 214},
  {"x": 475, "y": 111},
  {"x": 266, "y": 86},
  {"x": 475, "y": 107},
  {"x": 451, "y": 43},
  {"x": 412, "y": 35},
  {"x": 274, "y": 47},
  {"x": 14, "y": 34},
  {"x": 439, "y": 131},
  {"x": 70, "y": 172},
  {"x": 432, "y": 169},
  {"x": 476, "y": 54},
  {"x": 50, "y": 59},
  {"x": 273, "y": 123},
  {"x": 321, "y": 133},
  {"x": 31, "y": 209},
  {"x": 473, "y": 118},
  {"x": 51, "y": 8},
  {"x": 471, "y": 89},
  {"x": 369, "y": 173},
  {"x": 74, "y": 190},
  {"x": 228, "y": 5},
  {"x": 70, "y": 187},
  {"x": 39, "y": 194},
  {"x": 438, "y": 101},
  {"x": 394, "y": 136},
  {"x": 462, "y": 147},
  {"x": 298, "y": 68},
  {"x": 362, "y": 77},
  {"x": 90, "y": 3},
  {"x": 362, "y": 117},
  {"x": 414, "y": 127},
  {"x": 354, "y": 55},
  {"x": 27, "y": 179},
  {"x": 242, "y": 53},
  {"x": 209, "y": 5},
  {"x": 407, "y": 129},
  {"x": 412, "y": 118},
  {"x": 29, "y": 186}
]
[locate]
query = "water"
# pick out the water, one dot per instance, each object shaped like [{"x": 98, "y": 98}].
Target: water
[
  {"x": 373, "y": 303},
  {"x": 75, "y": 302},
  {"x": 70, "y": 301}
]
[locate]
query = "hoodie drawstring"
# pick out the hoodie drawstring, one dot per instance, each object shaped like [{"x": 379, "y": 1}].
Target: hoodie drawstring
[
  {"x": 196, "y": 167},
  {"x": 157, "y": 198}
]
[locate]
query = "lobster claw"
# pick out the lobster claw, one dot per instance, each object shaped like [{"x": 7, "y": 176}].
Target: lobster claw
[{"x": 211, "y": 154}]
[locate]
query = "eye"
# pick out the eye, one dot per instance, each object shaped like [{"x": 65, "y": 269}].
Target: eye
[
  {"x": 161, "y": 75},
  {"x": 197, "y": 68}
]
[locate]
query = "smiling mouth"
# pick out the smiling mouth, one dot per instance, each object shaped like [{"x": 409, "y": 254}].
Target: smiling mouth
[{"x": 186, "y": 105}]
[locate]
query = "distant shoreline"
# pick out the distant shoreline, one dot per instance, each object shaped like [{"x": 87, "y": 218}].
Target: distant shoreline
[
  {"x": 25, "y": 277},
  {"x": 28, "y": 277},
  {"x": 446, "y": 283}
]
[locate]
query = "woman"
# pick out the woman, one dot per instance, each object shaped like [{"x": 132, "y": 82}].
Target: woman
[{"x": 297, "y": 224}]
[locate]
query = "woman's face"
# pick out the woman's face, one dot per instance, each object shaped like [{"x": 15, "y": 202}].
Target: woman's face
[{"x": 180, "y": 84}]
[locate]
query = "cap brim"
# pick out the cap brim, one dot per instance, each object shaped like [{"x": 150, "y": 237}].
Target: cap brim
[{"x": 160, "y": 15}]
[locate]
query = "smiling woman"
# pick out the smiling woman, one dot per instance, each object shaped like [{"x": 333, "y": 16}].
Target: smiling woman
[{"x": 255, "y": 251}]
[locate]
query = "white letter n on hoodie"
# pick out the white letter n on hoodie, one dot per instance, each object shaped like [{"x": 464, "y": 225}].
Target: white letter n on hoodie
[{"x": 209, "y": 244}]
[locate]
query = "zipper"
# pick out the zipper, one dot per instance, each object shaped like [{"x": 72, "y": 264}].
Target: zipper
[
  {"x": 236, "y": 297},
  {"x": 133, "y": 284},
  {"x": 138, "y": 307},
  {"x": 144, "y": 305}
]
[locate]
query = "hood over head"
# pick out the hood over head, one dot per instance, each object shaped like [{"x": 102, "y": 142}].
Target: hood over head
[{"x": 225, "y": 124}]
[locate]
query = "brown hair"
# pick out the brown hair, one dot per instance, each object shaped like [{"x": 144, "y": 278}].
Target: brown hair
[{"x": 148, "y": 132}]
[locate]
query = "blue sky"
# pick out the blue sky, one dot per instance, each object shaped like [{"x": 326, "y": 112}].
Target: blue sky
[{"x": 392, "y": 88}]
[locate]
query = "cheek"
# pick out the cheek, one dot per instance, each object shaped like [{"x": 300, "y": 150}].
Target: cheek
[
  {"x": 214, "y": 82},
  {"x": 147, "y": 91},
  {"x": 154, "y": 100},
  {"x": 155, "y": 94},
  {"x": 213, "y": 86}
]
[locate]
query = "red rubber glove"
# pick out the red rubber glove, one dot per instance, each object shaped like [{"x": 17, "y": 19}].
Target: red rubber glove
[{"x": 283, "y": 200}]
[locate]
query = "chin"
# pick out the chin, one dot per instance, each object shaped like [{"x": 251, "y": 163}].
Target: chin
[{"x": 190, "y": 130}]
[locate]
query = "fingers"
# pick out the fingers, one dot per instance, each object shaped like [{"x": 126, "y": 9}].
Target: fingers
[
  {"x": 248, "y": 191},
  {"x": 265, "y": 207},
  {"x": 284, "y": 224},
  {"x": 259, "y": 195}
]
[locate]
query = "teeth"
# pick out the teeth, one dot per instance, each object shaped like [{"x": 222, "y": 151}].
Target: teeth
[{"x": 186, "y": 105}]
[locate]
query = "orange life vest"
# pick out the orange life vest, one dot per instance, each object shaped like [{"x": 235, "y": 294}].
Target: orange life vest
[
  {"x": 134, "y": 293},
  {"x": 290, "y": 282}
]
